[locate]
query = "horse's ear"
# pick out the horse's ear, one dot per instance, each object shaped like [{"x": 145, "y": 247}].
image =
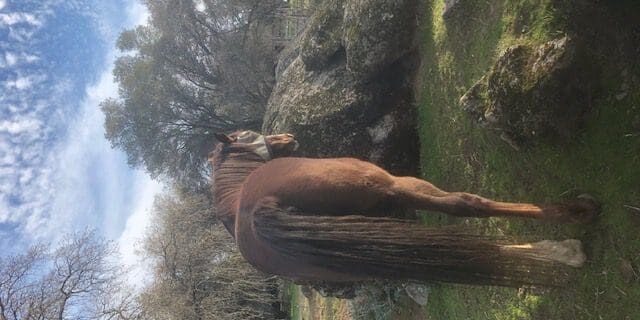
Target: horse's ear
[{"x": 223, "y": 138}]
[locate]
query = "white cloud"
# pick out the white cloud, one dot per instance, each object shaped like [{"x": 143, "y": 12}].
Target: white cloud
[
  {"x": 26, "y": 176},
  {"x": 7, "y": 159},
  {"x": 86, "y": 145},
  {"x": 10, "y": 58},
  {"x": 13, "y": 18},
  {"x": 20, "y": 83},
  {"x": 137, "y": 13},
  {"x": 135, "y": 229},
  {"x": 23, "y": 82},
  {"x": 84, "y": 159},
  {"x": 7, "y": 172},
  {"x": 21, "y": 35},
  {"x": 27, "y": 129},
  {"x": 29, "y": 58},
  {"x": 20, "y": 126},
  {"x": 22, "y": 150},
  {"x": 74, "y": 181},
  {"x": 86, "y": 170},
  {"x": 4, "y": 208},
  {"x": 22, "y": 26}
]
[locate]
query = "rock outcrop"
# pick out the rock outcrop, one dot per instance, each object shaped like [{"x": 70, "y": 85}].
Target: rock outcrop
[
  {"x": 534, "y": 93},
  {"x": 344, "y": 88}
]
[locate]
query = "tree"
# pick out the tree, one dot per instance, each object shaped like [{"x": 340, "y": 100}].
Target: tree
[
  {"x": 71, "y": 282},
  {"x": 81, "y": 271},
  {"x": 196, "y": 69},
  {"x": 198, "y": 272},
  {"x": 18, "y": 283},
  {"x": 119, "y": 303}
]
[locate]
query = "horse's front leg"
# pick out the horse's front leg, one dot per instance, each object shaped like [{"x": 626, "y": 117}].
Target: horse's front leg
[{"x": 420, "y": 194}]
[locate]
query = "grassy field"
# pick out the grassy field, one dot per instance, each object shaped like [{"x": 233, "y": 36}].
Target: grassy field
[{"x": 603, "y": 160}]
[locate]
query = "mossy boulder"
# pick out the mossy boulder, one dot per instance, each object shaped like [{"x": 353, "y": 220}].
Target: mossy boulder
[
  {"x": 363, "y": 110},
  {"x": 323, "y": 35},
  {"x": 377, "y": 33},
  {"x": 535, "y": 93},
  {"x": 373, "y": 33}
]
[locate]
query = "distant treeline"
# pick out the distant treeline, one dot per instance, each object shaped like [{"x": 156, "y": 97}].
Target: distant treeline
[{"x": 198, "y": 273}]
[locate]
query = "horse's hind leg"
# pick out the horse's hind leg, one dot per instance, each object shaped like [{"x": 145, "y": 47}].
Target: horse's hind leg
[{"x": 420, "y": 194}]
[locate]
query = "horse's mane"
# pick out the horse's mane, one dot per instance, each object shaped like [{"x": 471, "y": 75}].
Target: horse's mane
[{"x": 232, "y": 163}]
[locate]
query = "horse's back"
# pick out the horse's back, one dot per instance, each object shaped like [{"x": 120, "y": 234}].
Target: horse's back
[{"x": 303, "y": 171}]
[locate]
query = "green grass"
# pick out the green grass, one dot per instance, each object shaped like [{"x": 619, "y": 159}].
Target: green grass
[
  {"x": 604, "y": 160},
  {"x": 294, "y": 297}
]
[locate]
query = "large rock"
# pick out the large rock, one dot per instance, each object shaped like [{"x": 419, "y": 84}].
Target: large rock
[
  {"x": 345, "y": 87},
  {"x": 534, "y": 93},
  {"x": 376, "y": 33},
  {"x": 322, "y": 38}
]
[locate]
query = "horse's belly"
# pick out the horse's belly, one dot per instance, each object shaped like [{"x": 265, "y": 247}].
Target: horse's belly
[{"x": 325, "y": 186}]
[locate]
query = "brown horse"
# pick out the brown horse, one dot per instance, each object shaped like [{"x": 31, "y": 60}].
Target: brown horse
[{"x": 324, "y": 220}]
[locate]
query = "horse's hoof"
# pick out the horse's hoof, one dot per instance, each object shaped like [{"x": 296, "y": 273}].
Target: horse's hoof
[
  {"x": 585, "y": 208},
  {"x": 581, "y": 209}
]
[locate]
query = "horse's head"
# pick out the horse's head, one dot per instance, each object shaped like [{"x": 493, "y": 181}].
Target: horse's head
[
  {"x": 267, "y": 147},
  {"x": 241, "y": 152}
]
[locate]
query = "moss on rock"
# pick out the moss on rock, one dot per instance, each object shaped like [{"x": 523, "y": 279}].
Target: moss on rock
[
  {"x": 323, "y": 36},
  {"x": 534, "y": 93},
  {"x": 376, "y": 33}
]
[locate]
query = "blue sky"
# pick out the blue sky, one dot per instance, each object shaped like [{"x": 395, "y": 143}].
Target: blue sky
[{"x": 57, "y": 172}]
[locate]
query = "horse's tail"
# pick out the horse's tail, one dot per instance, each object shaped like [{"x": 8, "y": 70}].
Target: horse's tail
[{"x": 397, "y": 249}]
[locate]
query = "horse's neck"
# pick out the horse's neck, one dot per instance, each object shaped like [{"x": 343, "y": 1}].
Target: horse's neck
[{"x": 229, "y": 176}]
